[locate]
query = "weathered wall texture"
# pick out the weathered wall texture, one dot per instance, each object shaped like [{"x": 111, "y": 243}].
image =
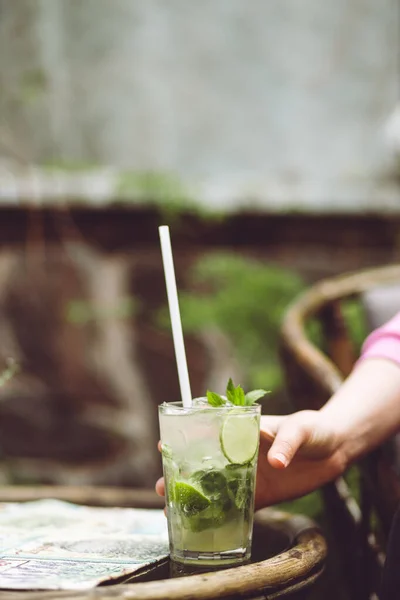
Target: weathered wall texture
[
  {"x": 268, "y": 98},
  {"x": 94, "y": 366},
  {"x": 261, "y": 101}
]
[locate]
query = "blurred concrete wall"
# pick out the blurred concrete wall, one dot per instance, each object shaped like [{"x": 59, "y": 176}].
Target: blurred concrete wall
[{"x": 220, "y": 89}]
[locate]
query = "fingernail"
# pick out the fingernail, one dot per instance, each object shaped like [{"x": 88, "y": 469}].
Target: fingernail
[{"x": 281, "y": 458}]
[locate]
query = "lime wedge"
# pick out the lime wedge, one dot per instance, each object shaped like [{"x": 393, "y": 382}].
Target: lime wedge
[
  {"x": 239, "y": 437},
  {"x": 190, "y": 499},
  {"x": 210, "y": 518}
]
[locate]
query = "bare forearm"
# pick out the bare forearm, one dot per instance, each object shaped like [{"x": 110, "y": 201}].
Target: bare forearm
[{"x": 366, "y": 409}]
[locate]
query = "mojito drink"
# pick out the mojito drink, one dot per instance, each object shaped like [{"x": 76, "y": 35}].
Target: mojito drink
[{"x": 209, "y": 460}]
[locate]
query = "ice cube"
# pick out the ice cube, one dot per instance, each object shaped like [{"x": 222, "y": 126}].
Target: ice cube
[{"x": 201, "y": 401}]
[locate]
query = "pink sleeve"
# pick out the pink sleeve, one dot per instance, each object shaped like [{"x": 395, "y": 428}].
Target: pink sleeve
[{"x": 384, "y": 342}]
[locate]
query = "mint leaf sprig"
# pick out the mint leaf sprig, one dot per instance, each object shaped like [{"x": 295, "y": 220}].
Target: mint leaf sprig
[
  {"x": 235, "y": 395},
  {"x": 215, "y": 399}
]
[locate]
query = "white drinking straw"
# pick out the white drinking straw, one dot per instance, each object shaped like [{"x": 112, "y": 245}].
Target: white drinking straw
[{"x": 176, "y": 323}]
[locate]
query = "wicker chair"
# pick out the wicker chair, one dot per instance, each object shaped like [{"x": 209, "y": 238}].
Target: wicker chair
[{"x": 313, "y": 373}]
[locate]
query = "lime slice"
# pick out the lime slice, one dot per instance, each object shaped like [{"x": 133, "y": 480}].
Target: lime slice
[
  {"x": 239, "y": 437},
  {"x": 190, "y": 499},
  {"x": 211, "y": 518}
]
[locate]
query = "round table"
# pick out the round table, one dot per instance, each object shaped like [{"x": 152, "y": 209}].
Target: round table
[{"x": 288, "y": 555}]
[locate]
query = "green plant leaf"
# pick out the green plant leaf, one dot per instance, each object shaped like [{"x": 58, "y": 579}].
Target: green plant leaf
[
  {"x": 254, "y": 395},
  {"x": 230, "y": 391},
  {"x": 235, "y": 395},
  {"x": 8, "y": 373},
  {"x": 215, "y": 399},
  {"x": 240, "y": 398},
  {"x": 249, "y": 314}
]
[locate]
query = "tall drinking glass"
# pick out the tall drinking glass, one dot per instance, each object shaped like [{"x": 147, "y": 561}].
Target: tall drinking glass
[{"x": 209, "y": 460}]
